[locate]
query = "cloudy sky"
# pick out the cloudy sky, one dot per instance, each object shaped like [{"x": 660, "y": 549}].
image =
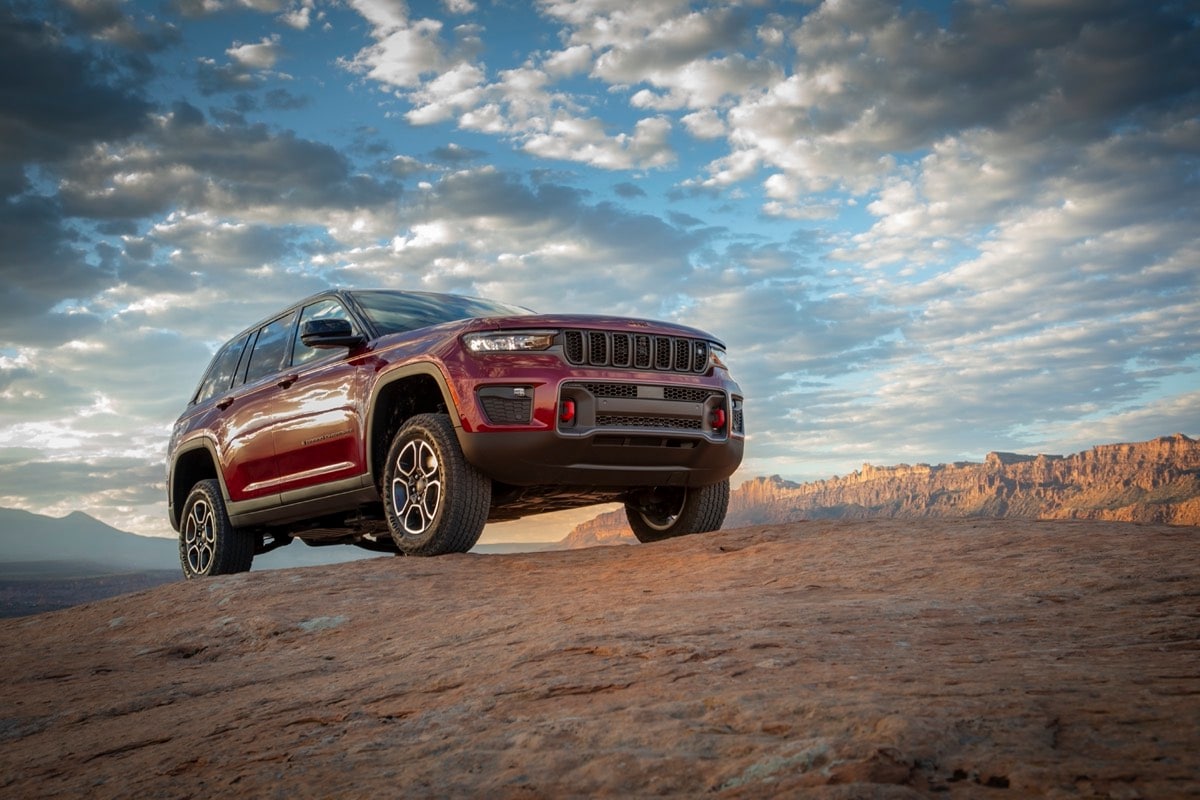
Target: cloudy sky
[{"x": 926, "y": 230}]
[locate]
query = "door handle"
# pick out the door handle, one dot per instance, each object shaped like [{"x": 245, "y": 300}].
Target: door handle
[
  {"x": 226, "y": 403},
  {"x": 287, "y": 381}
]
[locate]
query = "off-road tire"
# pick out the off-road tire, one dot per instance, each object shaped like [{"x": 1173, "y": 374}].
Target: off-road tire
[
  {"x": 671, "y": 512},
  {"x": 208, "y": 542},
  {"x": 434, "y": 501}
]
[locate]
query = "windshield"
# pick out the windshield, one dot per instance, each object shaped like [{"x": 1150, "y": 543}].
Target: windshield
[{"x": 397, "y": 312}]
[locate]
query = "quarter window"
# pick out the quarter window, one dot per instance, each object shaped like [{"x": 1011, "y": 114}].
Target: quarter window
[{"x": 220, "y": 374}]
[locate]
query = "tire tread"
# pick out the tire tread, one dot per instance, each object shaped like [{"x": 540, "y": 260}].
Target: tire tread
[
  {"x": 703, "y": 511},
  {"x": 234, "y": 550},
  {"x": 465, "y": 504}
]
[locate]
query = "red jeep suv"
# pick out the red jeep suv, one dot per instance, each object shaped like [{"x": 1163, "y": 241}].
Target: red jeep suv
[{"x": 404, "y": 421}]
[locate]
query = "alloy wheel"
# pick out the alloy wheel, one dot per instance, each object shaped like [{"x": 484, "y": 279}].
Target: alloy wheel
[
  {"x": 200, "y": 537},
  {"x": 417, "y": 487}
]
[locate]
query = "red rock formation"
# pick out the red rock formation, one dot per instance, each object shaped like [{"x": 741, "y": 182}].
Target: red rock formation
[
  {"x": 1156, "y": 481},
  {"x": 610, "y": 527}
]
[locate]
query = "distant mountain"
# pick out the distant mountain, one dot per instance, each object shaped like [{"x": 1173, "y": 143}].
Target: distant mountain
[
  {"x": 50, "y": 563},
  {"x": 80, "y": 539},
  {"x": 609, "y": 528},
  {"x": 1152, "y": 482},
  {"x": 77, "y": 537}
]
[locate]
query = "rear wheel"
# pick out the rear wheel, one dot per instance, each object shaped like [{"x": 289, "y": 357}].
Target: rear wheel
[
  {"x": 208, "y": 542},
  {"x": 665, "y": 513},
  {"x": 434, "y": 501}
]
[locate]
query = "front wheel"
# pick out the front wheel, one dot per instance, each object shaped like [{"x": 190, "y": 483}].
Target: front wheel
[
  {"x": 208, "y": 542},
  {"x": 435, "y": 502},
  {"x": 665, "y": 513}
]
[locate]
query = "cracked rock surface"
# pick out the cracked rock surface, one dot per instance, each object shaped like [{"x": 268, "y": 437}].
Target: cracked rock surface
[{"x": 884, "y": 658}]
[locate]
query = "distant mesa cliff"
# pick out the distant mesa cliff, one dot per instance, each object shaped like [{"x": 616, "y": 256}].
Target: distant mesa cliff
[{"x": 1154, "y": 482}]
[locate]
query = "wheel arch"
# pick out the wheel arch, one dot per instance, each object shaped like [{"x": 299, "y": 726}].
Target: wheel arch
[
  {"x": 398, "y": 396},
  {"x": 194, "y": 463}
]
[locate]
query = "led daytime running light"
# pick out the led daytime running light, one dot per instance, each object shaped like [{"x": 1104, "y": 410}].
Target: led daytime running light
[{"x": 509, "y": 342}]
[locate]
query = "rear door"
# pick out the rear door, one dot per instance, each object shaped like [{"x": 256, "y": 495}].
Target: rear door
[{"x": 245, "y": 435}]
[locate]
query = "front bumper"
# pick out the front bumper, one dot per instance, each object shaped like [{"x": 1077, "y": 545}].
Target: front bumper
[
  {"x": 605, "y": 431},
  {"x": 612, "y": 458},
  {"x": 542, "y": 420}
]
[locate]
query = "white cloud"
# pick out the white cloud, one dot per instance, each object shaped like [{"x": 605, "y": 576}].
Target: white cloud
[
  {"x": 609, "y": 21},
  {"x": 571, "y": 61},
  {"x": 385, "y": 16},
  {"x": 664, "y": 44},
  {"x": 403, "y": 53},
  {"x": 584, "y": 140},
  {"x": 805, "y": 212},
  {"x": 299, "y": 17},
  {"x": 733, "y": 168},
  {"x": 261, "y": 55},
  {"x": 705, "y": 124},
  {"x": 450, "y": 93}
]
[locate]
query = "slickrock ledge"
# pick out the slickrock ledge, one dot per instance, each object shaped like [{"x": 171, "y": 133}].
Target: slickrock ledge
[{"x": 882, "y": 658}]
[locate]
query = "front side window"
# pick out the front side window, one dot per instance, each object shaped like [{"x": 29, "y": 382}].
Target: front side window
[
  {"x": 271, "y": 348},
  {"x": 220, "y": 374},
  {"x": 325, "y": 309}
]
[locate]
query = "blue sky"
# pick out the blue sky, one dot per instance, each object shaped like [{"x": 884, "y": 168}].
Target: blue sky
[{"x": 926, "y": 230}]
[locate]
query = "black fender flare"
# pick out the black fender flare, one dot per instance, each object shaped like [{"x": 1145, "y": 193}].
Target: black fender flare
[
  {"x": 206, "y": 444},
  {"x": 387, "y": 379}
]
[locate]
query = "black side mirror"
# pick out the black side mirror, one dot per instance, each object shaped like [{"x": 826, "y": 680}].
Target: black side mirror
[{"x": 330, "y": 332}]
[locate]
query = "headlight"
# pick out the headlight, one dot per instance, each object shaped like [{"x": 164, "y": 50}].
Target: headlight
[
  {"x": 716, "y": 357},
  {"x": 516, "y": 341}
]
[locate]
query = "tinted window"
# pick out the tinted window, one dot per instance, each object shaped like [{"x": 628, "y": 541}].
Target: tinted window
[
  {"x": 220, "y": 374},
  {"x": 396, "y": 312},
  {"x": 270, "y": 348},
  {"x": 326, "y": 309},
  {"x": 240, "y": 377}
]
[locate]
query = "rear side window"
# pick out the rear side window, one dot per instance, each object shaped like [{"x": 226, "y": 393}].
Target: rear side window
[
  {"x": 220, "y": 374},
  {"x": 271, "y": 348}
]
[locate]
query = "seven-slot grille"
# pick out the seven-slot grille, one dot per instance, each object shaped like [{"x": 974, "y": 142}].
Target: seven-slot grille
[{"x": 636, "y": 351}]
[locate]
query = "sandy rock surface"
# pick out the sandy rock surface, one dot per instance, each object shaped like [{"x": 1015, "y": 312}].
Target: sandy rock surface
[{"x": 897, "y": 658}]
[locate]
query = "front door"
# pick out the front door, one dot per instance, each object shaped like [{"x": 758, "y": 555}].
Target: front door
[{"x": 318, "y": 429}]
